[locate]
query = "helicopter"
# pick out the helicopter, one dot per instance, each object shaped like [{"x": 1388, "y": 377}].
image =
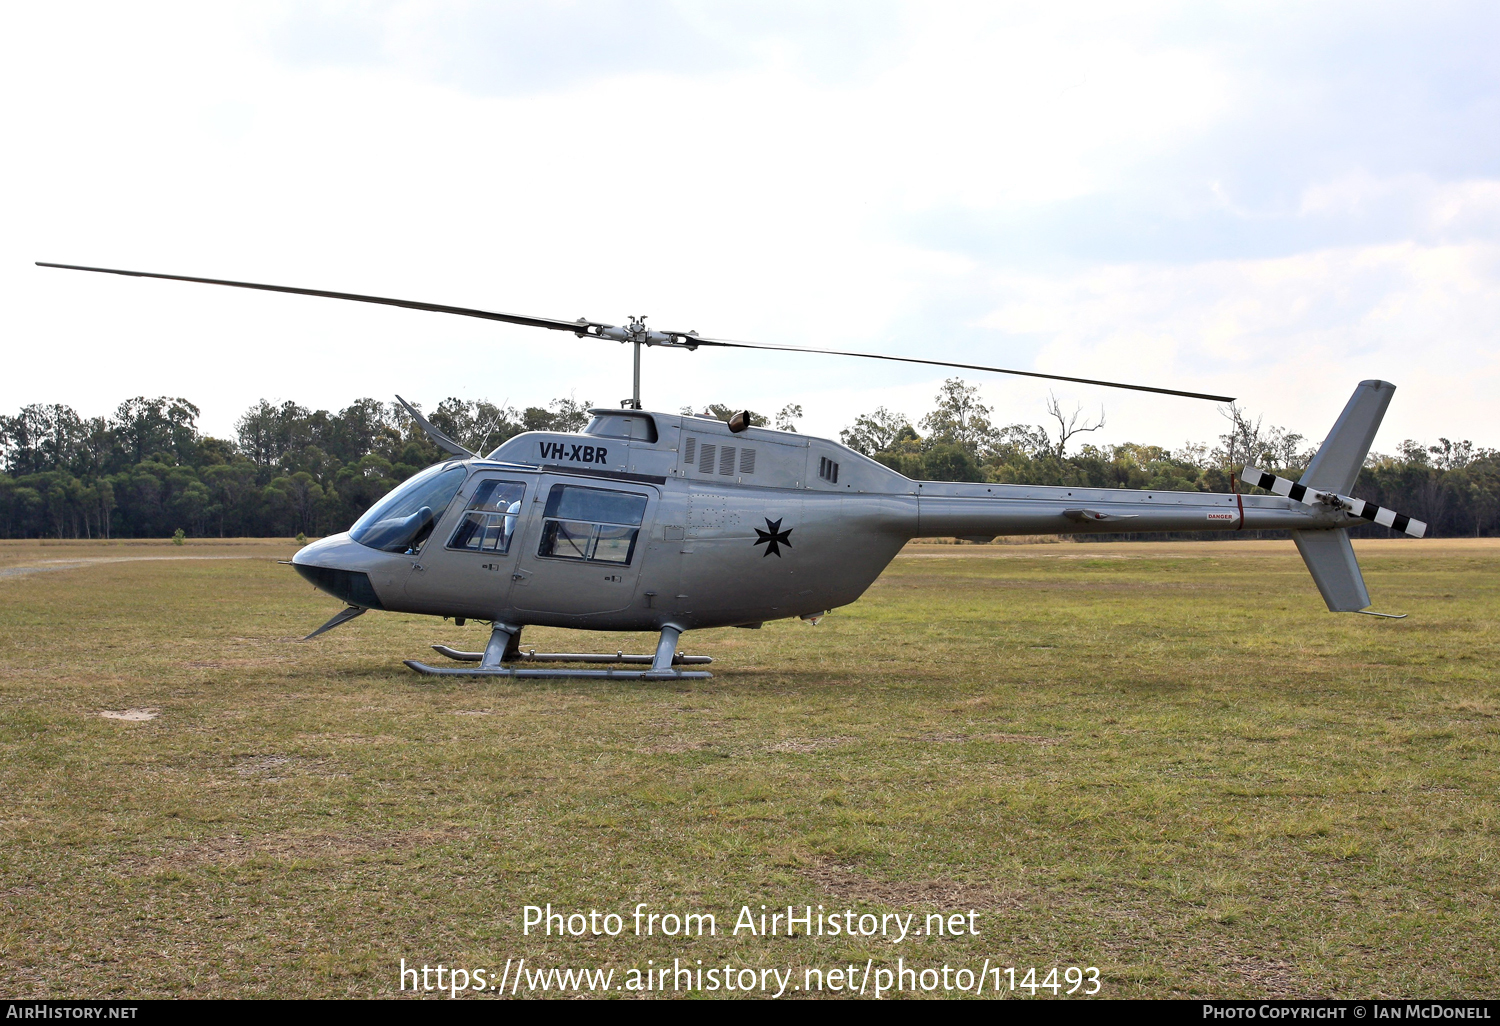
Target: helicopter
[{"x": 660, "y": 522}]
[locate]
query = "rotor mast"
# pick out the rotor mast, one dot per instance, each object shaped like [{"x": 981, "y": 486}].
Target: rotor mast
[
  {"x": 635, "y": 391},
  {"x": 638, "y": 335}
]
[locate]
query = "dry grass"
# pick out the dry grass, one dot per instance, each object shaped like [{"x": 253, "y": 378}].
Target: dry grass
[{"x": 1163, "y": 760}]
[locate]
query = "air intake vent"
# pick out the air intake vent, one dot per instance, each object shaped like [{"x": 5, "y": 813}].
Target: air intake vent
[
  {"x": 726, "y": 460},
  {"x": 706, "y": 458},
  {"x": 690, "y": 451},
  {"x": 828, "y": 470},
  {"x": 747, "y": 461}
]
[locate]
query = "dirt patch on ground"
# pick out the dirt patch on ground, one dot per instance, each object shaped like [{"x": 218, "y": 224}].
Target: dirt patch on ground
[
  {"x": 272, "y": 767},
  {"x": 131, "y": 715},
  {"x": 1020, "y": 739},
  {"x": 1083, "y": 549},
  {"x": 847, "y": 884},
  {"x": 678, "y": 746},
  {"x": 74, "y": 564},
  {"x": 239, "y": 664},
  {"x": 1268, "y": 978},
  {"x": 258, "y": 765},
  {"x": 287, "y": 846},
  {"x": 1050, "y": 584},
  {"x": 954, "y": 739},
  {"x": 808, "y": 745}
]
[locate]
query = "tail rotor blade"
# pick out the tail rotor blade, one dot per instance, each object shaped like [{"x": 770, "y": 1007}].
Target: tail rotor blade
[{"x": 1354, "y": 507}]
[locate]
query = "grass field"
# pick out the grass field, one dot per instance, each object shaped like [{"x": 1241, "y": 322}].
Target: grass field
[{"x": 1163, "y": 760}]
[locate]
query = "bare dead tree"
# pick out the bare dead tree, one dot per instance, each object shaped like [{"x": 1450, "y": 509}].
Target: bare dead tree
[{"x": 1067, "y": 423}]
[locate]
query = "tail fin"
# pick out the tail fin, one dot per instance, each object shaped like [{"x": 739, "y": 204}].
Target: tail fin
[
  {"x": 1328, "y": 554},
  {"x": 1343, "y": 452},
  {"x": 1330, "y": 560}
]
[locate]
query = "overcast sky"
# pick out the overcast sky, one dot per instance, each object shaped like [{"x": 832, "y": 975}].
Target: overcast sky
[{"x": 1269, "y": 201}]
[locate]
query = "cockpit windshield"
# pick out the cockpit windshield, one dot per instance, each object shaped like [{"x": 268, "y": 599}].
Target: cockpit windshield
[{"x": 402, "y": 520}]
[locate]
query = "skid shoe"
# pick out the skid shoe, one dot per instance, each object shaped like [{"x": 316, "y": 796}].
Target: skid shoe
[{"x": 504, "y": 647}]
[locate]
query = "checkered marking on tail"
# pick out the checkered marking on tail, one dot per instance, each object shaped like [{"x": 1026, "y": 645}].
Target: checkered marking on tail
[{"x": 1355, "y": 507}]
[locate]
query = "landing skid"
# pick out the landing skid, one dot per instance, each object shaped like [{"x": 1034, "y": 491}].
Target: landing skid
[
  {"x": 533, "y": 656},
  {"x": 504, "y": 648},
  {"x": 516, "y": 671}
]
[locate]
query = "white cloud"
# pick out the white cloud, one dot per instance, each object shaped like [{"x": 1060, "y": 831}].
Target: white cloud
[
  {"x": 1290, "y": 335},
  {"x": 1011, "y": 185}
]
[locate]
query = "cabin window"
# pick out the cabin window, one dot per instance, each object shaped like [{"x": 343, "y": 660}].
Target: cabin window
[
  {"x": 490, "y": 520},
  {"x": 597, "y": 525}
]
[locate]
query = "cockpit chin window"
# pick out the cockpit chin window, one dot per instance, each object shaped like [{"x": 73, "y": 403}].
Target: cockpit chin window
[{"x": 402, "y": 520}]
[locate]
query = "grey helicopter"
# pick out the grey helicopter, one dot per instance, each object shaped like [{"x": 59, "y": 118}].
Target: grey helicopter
[{"x": 660, "y": 522}]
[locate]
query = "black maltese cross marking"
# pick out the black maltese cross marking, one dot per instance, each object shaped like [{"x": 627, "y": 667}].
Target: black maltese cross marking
[{"x": 773, "y": 537}]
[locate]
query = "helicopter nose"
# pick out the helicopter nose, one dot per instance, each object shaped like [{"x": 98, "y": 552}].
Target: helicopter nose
[
  {"x": 336, "y": 550},
  {"x": 341, "y": 567}
]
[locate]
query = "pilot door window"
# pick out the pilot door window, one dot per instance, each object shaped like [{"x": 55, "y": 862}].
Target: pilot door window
[
  {"x": 490, "y": 522},
  {"x": 592, "y": 524}
]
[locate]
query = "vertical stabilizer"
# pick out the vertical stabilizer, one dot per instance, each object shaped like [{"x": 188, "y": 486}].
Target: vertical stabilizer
[
  {"x": 1343, "y": 452},
  {"x": 1328, "y": 554},
  {"x": 1330, "y": 560}
]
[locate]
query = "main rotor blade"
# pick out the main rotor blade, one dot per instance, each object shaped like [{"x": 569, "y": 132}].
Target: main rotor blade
[
  {"x": 583, "y": 326},
  {"x": 462, "y": 311},
  {"x": 962, "y": 366}
]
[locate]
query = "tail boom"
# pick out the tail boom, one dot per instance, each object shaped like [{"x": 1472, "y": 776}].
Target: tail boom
[
  {"x": 946, "y": 510},
  {"x": 1313, "y": 509}
]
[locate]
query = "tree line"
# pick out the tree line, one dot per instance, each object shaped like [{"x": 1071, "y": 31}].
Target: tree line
[{"x": 147, "y": 471}]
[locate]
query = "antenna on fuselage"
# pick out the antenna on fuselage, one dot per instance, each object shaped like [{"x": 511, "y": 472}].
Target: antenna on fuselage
[{"x": 442, "y": 440}]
